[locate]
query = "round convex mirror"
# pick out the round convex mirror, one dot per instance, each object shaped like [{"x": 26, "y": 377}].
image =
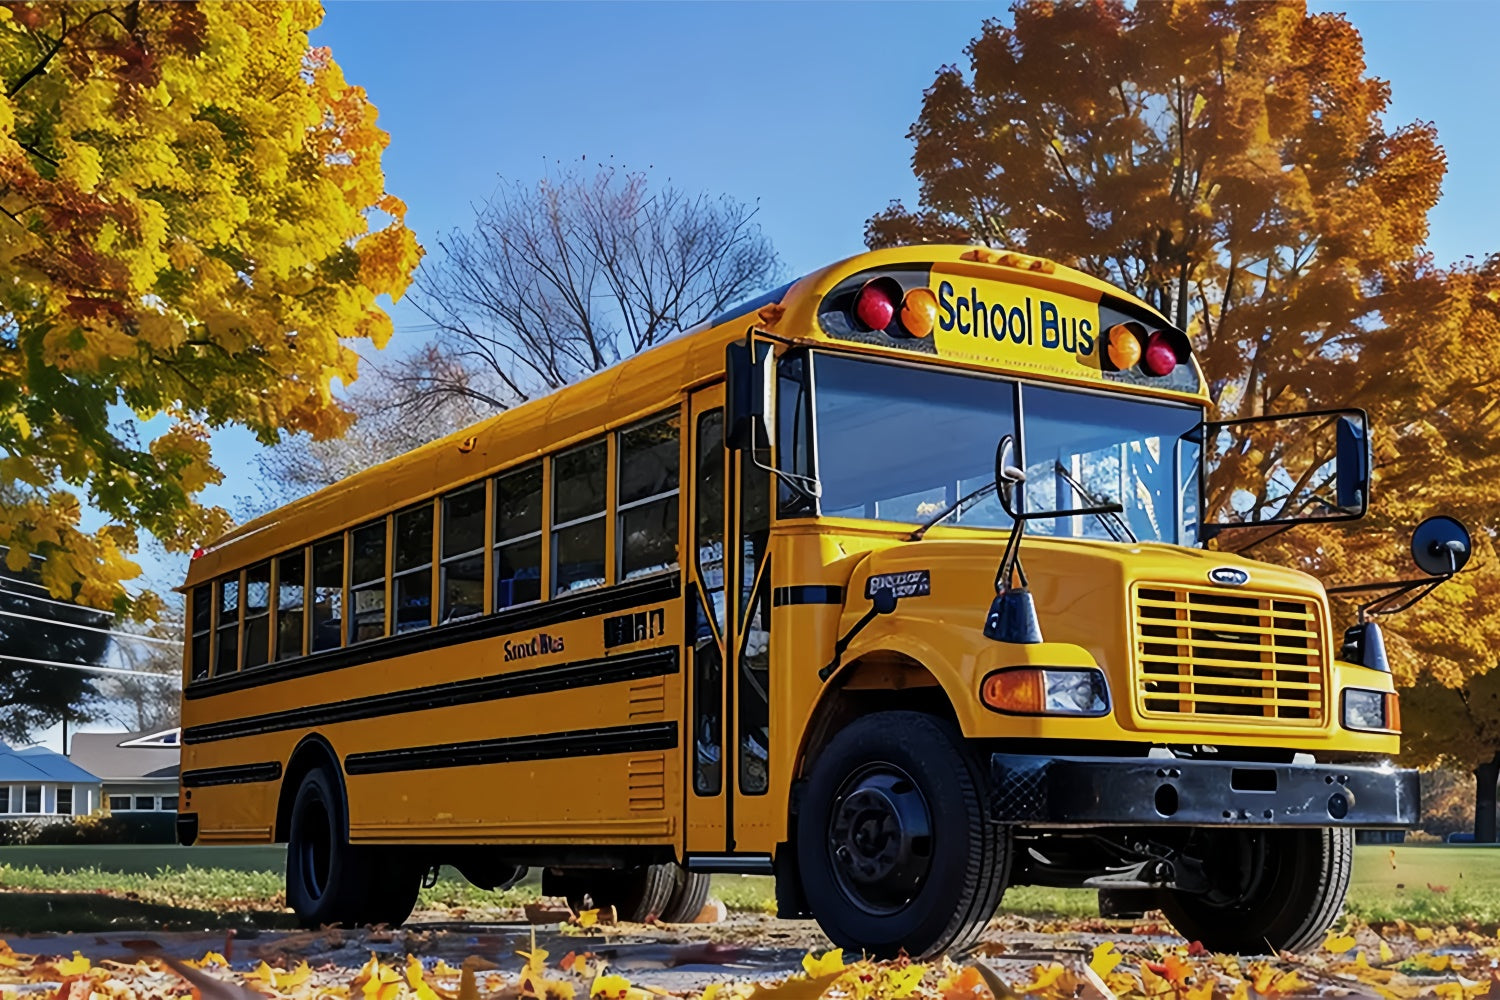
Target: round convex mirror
[{"x": 1440, "y": 545}]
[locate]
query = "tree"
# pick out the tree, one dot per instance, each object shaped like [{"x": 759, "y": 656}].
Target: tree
[
  {"x": 1229, "y": 163},
  {"x": 564, "y": 278},
  {"x": 36, "y": 635},
  {"x": 191, "y": 206}
]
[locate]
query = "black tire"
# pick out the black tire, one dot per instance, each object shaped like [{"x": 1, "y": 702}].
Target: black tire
[
  {"x": 329, "y": 880},
  {"x": 689, "y": 894},
  {"x": 637, "y": 894},
  {"x": 895, "y": 845},
  {"x": 1282, "y": 890}
]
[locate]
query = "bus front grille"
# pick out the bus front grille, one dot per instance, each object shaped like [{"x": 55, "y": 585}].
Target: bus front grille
[{"x": 1206, "y": 653}]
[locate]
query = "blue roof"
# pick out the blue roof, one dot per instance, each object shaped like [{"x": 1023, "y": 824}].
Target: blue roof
[{"x": 40, "y": 764}]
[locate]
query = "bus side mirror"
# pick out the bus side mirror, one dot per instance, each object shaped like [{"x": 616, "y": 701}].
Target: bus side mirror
[
  {"x": 1352, "y": 464},
  {"x": 748, "y": 399}
]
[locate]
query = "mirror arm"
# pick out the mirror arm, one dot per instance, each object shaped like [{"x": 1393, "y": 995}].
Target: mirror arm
[{"x": 1394, "y": 589}]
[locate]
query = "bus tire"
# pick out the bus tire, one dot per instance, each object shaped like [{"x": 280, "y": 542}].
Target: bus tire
[
  {"x": 895, "y": 846},
  {"x": 1290, "y": 888},
  {"x": 637, "y": 894},
  {"x": 689, "y": 894},
  {"x": 329, "y": 880}
]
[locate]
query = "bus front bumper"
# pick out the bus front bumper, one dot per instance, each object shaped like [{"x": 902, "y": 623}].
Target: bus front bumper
[{"x": 1037, "y": 790}]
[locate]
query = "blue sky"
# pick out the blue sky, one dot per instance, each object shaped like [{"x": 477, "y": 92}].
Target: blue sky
[{"x": 803, "y": 107}]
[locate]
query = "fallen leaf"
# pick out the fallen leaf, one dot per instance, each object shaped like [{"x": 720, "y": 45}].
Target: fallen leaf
[
  {"x": 797, "y": 989},
  {"x": 829, "y": 961}
]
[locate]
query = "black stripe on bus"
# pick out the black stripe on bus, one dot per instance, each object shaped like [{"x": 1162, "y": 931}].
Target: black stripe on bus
[
  {"x": 511, "y": 749},
  {"x": 807, "y": 593},
  {"x": 234, "y": 774},
  {"x": 559, "y": 610},
  {"x": 538, "y": 680}
]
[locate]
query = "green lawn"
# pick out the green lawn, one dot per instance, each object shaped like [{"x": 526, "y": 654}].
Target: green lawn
[{"x": 217, "y": 886}]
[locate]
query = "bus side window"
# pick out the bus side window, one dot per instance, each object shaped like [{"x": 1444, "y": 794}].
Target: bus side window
[
  {"x": 462, "y": 584},
  {"x": 257, "y": 614},
  {"x": 203, "y": 622},
  {"x": 412, "y": 568},
  {"x": 328, "y": 594},
  {"x": 578, "y": 508},
  {"x": 518, "y": 537},
  {"x": 227, "y": 649},
  {"x": 647, "y": 506},
  {"x": 291, "y": 585},
  {"x": 367, "y": 582}
]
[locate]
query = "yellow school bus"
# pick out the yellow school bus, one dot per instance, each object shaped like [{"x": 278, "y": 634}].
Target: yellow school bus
[{"x": 889, "y": 584}]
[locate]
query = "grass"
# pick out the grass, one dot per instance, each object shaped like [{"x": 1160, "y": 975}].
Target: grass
[{"x": 1437, "y": 884}]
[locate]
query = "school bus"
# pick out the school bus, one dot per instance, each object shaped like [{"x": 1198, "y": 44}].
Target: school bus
[{"x": 889, "y": 584}]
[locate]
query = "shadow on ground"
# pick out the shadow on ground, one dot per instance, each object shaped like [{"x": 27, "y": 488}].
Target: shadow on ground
[{"x": 53, "y": 912}]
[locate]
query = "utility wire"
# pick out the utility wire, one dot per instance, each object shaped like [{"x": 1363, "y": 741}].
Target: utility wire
[
  {"x": 76, "y": 607},
  {"x": 90, "y": 669},
  {"x": 90, "y": 628}
]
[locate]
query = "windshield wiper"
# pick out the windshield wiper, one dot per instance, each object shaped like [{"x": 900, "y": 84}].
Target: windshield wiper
[
  {"x": 1112, "y": 521},
  {"x": 949, "y": 511}
]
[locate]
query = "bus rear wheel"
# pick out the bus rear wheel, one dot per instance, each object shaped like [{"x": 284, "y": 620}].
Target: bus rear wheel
[
  {"x": 637, "y": 894},
  {"x": 1275, "y": 890},
  {"x": 329, "y": 880},
  {"x": 894, "y": 844}
]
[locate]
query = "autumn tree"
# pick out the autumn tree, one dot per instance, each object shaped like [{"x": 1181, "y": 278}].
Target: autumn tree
[
  {"x": 559, "y": 279},
  {"x": 195, "y": 232},
  {"x": 1230, "y": 164}
]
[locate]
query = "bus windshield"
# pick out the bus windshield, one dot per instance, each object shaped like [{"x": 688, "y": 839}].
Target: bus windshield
[{"x": 902, "y": 442}]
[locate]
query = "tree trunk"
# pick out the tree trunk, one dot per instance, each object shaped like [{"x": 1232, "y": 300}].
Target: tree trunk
[{"x": 1485, "y": 776}]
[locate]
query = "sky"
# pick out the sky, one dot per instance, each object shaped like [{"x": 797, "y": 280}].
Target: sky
[{"x": 802, "y": 108}]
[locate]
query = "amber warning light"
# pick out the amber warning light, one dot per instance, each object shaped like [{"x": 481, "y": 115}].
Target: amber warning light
[
  {"x": 880, "y": 306},
  {"x": 1157, "y": 352}
]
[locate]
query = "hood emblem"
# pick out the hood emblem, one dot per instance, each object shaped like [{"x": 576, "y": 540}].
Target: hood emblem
[{"x": 1229, "y": 576}]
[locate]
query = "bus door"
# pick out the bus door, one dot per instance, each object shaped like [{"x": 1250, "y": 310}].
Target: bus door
[{"x": 728, "y": 653}]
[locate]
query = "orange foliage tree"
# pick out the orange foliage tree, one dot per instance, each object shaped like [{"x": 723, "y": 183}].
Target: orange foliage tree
[
  {"x": 1229, "y": 163},
  {"x": 194, "y": 228}
]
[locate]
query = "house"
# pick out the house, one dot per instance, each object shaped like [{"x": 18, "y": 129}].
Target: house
[
  {"x": 139, "y": 770},
  {"x": 41, "y": 784}
]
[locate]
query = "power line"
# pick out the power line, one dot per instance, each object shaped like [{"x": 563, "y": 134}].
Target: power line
[
  {"x": 91, "y": 669},
  {"x": 76, "y": 607},
  {"x": 90, "y": 628}
]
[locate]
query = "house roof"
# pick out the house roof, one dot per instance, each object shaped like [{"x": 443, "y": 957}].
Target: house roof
[
  {"x": 154, "y": 756},
  {"x": 40, "y": 764}
]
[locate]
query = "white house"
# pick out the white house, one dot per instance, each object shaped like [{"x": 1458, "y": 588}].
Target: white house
[
  {"x": 41, "y": 784},
  {"x": 138, "y": 770}
]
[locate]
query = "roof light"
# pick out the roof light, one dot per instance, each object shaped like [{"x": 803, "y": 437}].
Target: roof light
[
  {"x": 199, "y": 553},
  {"x": 875, "y": 303},
  {"x": 919, "y": 312},
  {"x": 1160, "y": 357},
  {"x": 1123, "y": 346}
]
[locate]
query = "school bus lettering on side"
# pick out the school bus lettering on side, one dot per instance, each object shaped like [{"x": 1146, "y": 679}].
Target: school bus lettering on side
[
  {"x": 537, "y": 645},
  {"x": 892, "y": 584}
]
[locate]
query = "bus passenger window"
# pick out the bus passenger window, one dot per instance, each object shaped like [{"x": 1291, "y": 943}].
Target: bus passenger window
[
  {"x": 578, "y": 502},
  {"x": 367, "y": 582},
  {"x": 463, "y": 554},
  {"x": 412, "y": 568},
  {"x": 328, "y": 594},
  {"x": 257, "y": 614},
  {"x": 647, "y": 506},
  {"x": 203, "y": 621},
  {"x": 518, "y": 537},
  {"x": 291, "y": 581},
  {"x": 227, "y": 657}
]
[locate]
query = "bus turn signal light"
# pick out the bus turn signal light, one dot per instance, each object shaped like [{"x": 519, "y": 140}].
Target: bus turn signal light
[
  {"x": 919, "y": 312},
  {"x": 1046, "y": 691}
]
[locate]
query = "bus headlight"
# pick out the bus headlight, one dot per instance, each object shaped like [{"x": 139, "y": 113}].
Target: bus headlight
[
  {"x": 1371, "y": 711},
  {"x": 1046, "y": 691}
]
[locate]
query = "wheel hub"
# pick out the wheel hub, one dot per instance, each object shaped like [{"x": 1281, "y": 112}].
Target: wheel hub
[{"x": 880, "y": 838}]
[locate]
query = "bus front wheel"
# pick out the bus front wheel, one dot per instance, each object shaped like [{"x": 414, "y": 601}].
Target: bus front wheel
[
  {"x": 1276, "y": 890},
  {"x": 329, "y": 880},
  {"x": 894, "y": 845}
]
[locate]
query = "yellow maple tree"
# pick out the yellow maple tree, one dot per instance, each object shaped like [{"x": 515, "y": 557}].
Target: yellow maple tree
[{"x": 194, "y": 229}]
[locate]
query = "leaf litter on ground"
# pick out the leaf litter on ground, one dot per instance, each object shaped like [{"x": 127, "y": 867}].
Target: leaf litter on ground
[{"x": 1396, "y": 961}]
